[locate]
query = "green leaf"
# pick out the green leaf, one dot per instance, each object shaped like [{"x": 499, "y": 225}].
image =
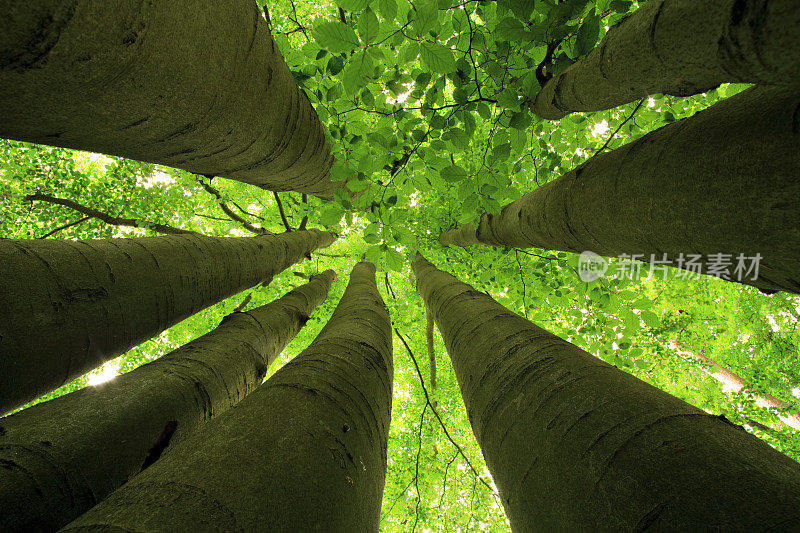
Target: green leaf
[
  {"x": 339, "y": 172},
  {"x": 394, "y": 260},
  {"x": 409, "y": 52},
  {"x": 353, "y": 6},
  {"x": 342, "y": 198},
  {"x": 426, "y": 17},
  {"x": 588, "y": 34},
  {"x": 453, "y": 173},
  {"x": 331, "y": 215},
  {"x": 492, "y": 206},
  {"x": 388, "y": 9},
  {"x": 438, "y": 58},
  {"x": 357, "y": 185},
  {"x": 368, "y": 26},
  {"x": 511, "y": 29},
  {"x": 335, "y": 65},
  {"x": 650, "y": 318},
  {"x": 521, "y": 120},
  {"x": 336, "y": 37},
  {"x": 508, "y": 99}
]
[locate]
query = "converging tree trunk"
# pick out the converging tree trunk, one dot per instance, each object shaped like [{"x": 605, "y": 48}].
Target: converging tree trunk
[
  {"x": 305, "y": 452},
  {"x": 68, "y": 306},
  {"x": 201, "y": 87},
  {"x": 723, "y": 181},
  {"x": 680, "y": 47},
  {"x": 63, "y": 456},
  {"x": 575, "y": 444}
]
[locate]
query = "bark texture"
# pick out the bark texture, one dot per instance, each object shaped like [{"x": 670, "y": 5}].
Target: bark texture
[
  {"x": 68, "y": 306},
  {"x": 575, "y": 444},
  {"x": 721, "y": 181},
  {"x": 61, "y": 457},
  {"x": 680, "y": 47},
  {"x": 200, "y": 87},
  {"x": 305, "y": 452}
]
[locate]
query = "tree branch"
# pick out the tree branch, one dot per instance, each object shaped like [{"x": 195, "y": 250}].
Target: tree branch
[
  {"x": 244, "y": 302},
  {"x": 430, "y": 403},
  {"x": 228, "y": 211},
  {"x": 108, "y": 219},
  {"x": 304, "y": 220},
  {"x": 65, "y": 226},
  {"x": 281, "y": 211},
  {"x": 620, "y": 127}
]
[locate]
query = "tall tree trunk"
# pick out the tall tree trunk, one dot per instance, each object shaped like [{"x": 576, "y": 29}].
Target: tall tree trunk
[
  {"x": 680, "y": 47},
  {"x": 575, "y": 444},
  {"x": 200, "y": 87},
  {"x": 305, "y": 452},
  {"x": 63, "y": 456},
  {"x": 721, "y": 181},
  {"x": 68, "y": 306}
]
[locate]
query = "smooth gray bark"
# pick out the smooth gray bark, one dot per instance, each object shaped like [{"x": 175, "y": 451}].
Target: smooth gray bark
[
  {"x": 67, "y": 306},
  {"x": 194, "y": 85},
  {"x": 575, "y": 444},
  {"x": 724, "y": 181},
  {"x": 305, "y": 452},
  {"x": 61, "y": 457},
  {"x": 680, "y": 47}
]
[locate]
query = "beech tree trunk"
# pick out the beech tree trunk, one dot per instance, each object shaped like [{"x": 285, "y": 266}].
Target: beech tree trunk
[
  {"x": 66, "y": 307},
  {"x": 721, "y": 181},
  {"x": 680, "y": 47},
  {"x": 63, "y": 456},
  {"x": 305, "y": 452},
  {"x": 197, "y": 86},
  {"x": 574, "y": 444}
]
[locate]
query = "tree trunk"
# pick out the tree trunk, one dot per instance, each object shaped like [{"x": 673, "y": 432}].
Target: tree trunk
[
  {"x": 305, "y": 452},
  {"x": 680, "y": 47},
  {"x": 722, "y": 181},
  {"x": 575, "y": 444},
  {"x": 68, "y": 306},
  {"x": 63, "y": 456},
  {"x": 200, "y": 87}
]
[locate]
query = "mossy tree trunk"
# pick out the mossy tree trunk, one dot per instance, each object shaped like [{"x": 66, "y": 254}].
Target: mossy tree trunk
[
  {"x": 305, "y": 452},
  {"x": 575, "y": 444},
  {"x": 723, "y": 181},
  {"x": 63, "y": 456},
  {"x": 680, "y": 47},
  {"x": 66, "y": 306},
  {"x": 200, "y": 87}
]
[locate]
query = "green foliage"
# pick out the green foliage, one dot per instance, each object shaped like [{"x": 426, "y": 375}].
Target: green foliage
[{"x": 425, "y": 106}]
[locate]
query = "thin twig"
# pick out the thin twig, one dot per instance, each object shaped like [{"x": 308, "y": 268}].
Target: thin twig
[
  {"x": 433, "y": 409},
  {"x": 522, "y": 279},
  {"x": 304, "y": 220},
  {"x": 416, "y": 468},
  {"x": 228, "y": 211},
  {"x": 244, "y": 302},
  {"x": 65, "y": 226},
  {"x": 281, "y": 211},
  {"x": 536, "y": 255},
  {"x": 108, "y": 219},
  {"x": 635, "y": 109}
]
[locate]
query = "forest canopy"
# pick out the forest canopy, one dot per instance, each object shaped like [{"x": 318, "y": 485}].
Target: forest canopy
[{"x": 426, "y": 106}]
